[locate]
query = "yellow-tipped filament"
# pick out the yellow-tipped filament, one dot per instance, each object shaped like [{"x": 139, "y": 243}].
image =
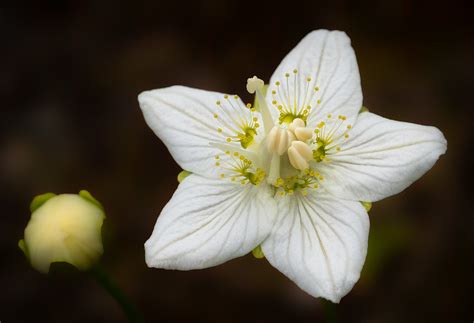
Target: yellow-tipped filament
[
  {"x": 237, "y": 122},
  {"x": 329, "y": 134},
  {"x": 239, "y": 169},
  {"x": 294, "y": 97}
]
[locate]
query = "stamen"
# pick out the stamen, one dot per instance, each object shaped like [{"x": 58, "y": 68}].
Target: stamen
[
  {"x": 329, "y": 136},
  {"x": 238, "y": 121},
  {"x": 294, "y": 104},
  {"x": 299, "y": 154}
]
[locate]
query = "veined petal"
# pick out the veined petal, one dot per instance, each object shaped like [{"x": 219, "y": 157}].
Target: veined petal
[
  {"x": 187, "y": 120},
  {"x": 319, "y": 75},
  {"x": 381, "y": 157},
  {"x": 208, "y": 222},
  {"x": 319, "y": 242}
]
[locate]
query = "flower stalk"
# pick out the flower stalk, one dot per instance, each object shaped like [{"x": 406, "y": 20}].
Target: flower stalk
[{"x": 107, "y": 283}]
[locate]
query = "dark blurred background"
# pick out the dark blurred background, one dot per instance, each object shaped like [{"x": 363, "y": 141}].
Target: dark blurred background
[{"x": 70, "y": 75}]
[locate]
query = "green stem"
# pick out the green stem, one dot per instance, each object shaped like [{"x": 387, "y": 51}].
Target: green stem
[
  {"x": 330, "y": 312},
  {"x": 104, "y": 280}
]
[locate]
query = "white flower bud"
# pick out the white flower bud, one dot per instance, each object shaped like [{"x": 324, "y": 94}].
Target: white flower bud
[{"x": 64, "y": 228}]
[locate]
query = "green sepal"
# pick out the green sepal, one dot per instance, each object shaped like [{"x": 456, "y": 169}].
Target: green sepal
[
  {"x": 256, "y": 105},
  {"x": 258, "y": 252},
  {"x": 39, "y": 200},
  {"x": 22, "y": 246},
  {"x": 363, "y": 109},
  {"x": 182, "y": 175},
  {"x": 88, "y": 196},
  {"x": 367, "y": 205}
]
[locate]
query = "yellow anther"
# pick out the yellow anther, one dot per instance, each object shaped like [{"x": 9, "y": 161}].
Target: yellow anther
[
  {"x": 295, "y": 71},
  {"x": 287, "y": 74},
  {"x": 226, "y": 96},
  {"x": 236, "y": 154},
  {"x": 236, "y": 97},
  {"x": 308, "y": 79},
  {"x": 218, "y": 164},
  {"x": 222, "y": 175},
  {"x": 346, "y": 135},
  {"x": 349, "y": 126},
  {"x": 316, "y": 89},
  {"x": 228, "y": 140},
  {"x": 248, "y": 105},
  {"x": 329, "y": 116},
  {"x": 215, "y": 116},
  {"x": 319, "y": 101},
  {"x": 218, "y": 102},
  {"x": 277, "y": 83},
  {"x": 274, "y": 102}
]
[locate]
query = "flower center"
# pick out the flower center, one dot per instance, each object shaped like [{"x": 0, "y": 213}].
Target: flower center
[{"x": 286, "y": 154}]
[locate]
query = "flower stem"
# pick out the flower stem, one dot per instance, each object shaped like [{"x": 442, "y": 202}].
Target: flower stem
[
  {"x": 105, "y": 281},
  {"x": 330, "y": 313}
]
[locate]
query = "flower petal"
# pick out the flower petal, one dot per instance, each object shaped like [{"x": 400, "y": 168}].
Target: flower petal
[
  {"x": 381, "y": 157},
  {"x": 208, "y": 222},
  {"x": 327, "y": 60},
  {"x": 319, "y": 242},
  {"x": 187, "y": 120}
]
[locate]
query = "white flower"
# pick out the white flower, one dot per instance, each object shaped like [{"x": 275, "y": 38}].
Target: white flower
[{"x": 288, "y": 177}]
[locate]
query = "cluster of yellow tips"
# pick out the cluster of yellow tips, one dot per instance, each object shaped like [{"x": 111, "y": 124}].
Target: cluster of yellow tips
[
  {"x": 286, "y": 97},
  {"x": 237, "y": 123},
  {"x": 328, "y": 136},
  {"x": 239, "y": 169},
  {"x": 308, "y": 179}
]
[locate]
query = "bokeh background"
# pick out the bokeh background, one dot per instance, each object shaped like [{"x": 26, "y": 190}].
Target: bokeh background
[{"x": 69, "y": 77}]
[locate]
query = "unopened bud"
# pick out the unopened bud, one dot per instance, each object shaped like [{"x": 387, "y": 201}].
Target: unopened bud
[{"x": 64, "y": 228}]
